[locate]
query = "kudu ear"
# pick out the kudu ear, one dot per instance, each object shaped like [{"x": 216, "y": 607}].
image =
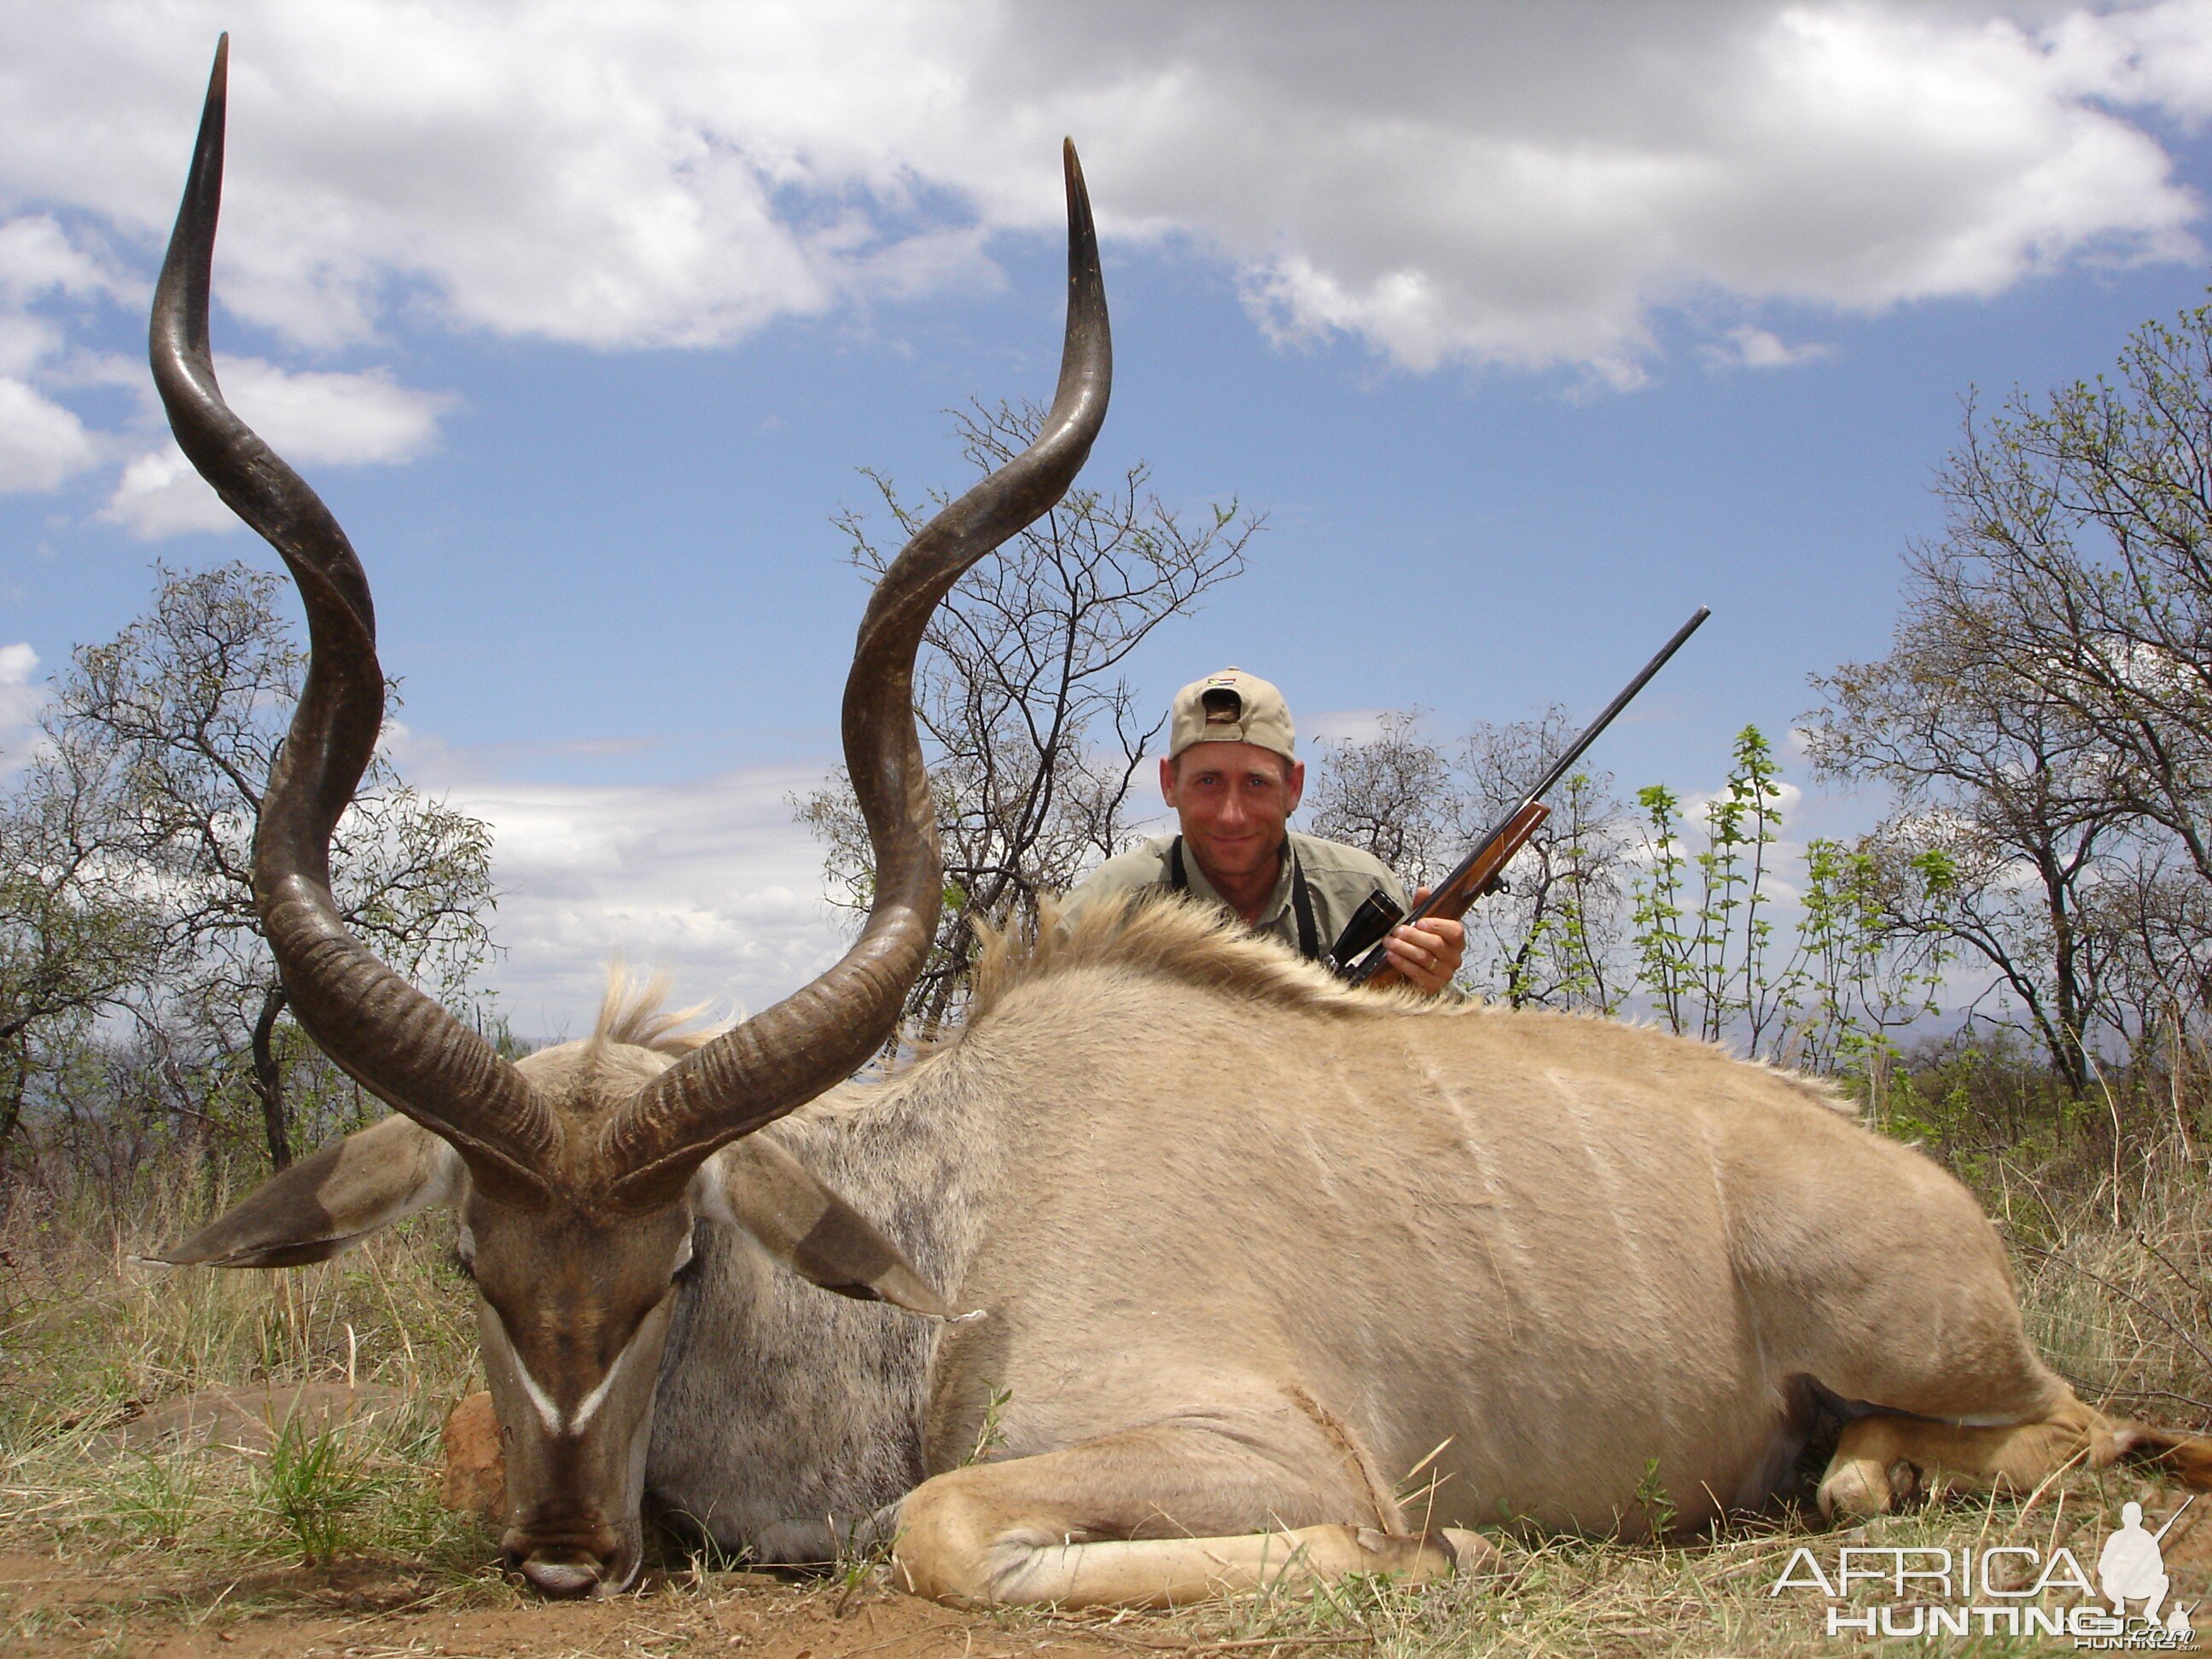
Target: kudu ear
[
  {"x": 810, "y": 1229},
  {"x": 329, "y": 1203}
]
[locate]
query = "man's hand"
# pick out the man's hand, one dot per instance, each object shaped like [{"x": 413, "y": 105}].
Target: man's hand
[{"x": 1428, "y": 952}]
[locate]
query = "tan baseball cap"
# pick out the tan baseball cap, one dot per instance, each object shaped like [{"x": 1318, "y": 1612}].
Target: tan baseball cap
[{"x": 1231, "y": 707}]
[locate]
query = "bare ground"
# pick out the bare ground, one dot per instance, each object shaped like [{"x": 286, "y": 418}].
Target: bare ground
[
  {"x": 133, "y": 1608},
  {"x": 1568, "y": 1597}
]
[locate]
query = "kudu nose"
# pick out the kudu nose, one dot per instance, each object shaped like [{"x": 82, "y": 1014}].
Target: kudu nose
[{"x": 560, "y": 1578}]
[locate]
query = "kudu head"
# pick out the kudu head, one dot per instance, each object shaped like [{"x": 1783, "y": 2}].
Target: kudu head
[{"x": 578, "y": 1173}]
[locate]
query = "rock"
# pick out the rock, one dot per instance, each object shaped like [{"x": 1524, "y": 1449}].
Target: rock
[
  {"x": 475, "y": 1463},
  {"x": 249, "y": 1419}
]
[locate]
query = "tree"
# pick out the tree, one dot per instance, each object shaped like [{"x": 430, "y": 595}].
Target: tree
[
  {"x": 1870, "y": 952},
  {"x": 1554, "y": 933},
  {"x": 1998, "y": 775},
  {"x": 2072, "y": 585},
  {"x": 1032, "y": 737},
  {"x": 1393, "y": 795},
  {"x": 178, "y": 717},
  {"x": 2155, "y": 915},
  {"x": 2079, "y": 548},
  {"x": 1703, "y": 946},
  {"x": 79, "y": 931}
]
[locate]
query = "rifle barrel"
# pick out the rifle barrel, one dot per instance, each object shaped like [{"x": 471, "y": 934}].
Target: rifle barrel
[{"x": 1565, "y": 762}]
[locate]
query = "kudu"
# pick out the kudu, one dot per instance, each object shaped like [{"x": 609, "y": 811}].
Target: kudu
[{"x": 1238, "y": 1247}]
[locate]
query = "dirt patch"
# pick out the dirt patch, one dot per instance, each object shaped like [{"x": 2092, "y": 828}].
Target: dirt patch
[
  {"x": 476, "y": 1468},
  {"x": 132, "y": 1609},
  {"x": 250, "y": 1420}
]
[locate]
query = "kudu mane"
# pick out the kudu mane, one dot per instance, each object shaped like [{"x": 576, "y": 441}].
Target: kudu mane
[
  {"x": 630, "y": 1012},
  {"x": 1163, "y": 937}
]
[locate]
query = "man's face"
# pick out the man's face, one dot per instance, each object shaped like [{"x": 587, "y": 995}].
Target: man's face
[{"x": 1233, "y": 799}]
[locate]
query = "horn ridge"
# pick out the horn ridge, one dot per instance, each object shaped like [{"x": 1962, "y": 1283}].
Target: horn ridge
[
  {"x": 403, "y": 1047},
  {"x": 821, "y": 1034}
]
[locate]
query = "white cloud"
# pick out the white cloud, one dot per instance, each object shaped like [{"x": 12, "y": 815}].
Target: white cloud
[
  {"x": 1489, "y": 183},
  {"x": 2158, "y": 56},
  {"x": 307, "y": 417},
  {"x": 1748, "y": 347},
  {"x": 38, "y": 256},
  {"x": 161, "y": 496},
  {"x": 19, "y": 703},
  {"x": 711, "y": 880},
  {"x": 338, "y": 419},
  {"x": 41, "y": 443}
]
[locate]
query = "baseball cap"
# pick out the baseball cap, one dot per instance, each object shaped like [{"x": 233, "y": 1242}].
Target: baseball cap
[{"x": 1231, "y": 707}]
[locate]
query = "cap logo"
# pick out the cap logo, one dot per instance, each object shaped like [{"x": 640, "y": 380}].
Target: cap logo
[{"x": 1231, "y": 706}]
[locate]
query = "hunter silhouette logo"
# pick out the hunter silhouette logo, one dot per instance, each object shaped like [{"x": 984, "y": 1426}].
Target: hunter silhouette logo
[
  {"x": 2002, "y": 1589},
  {"x": 2132, "y": 1568}
]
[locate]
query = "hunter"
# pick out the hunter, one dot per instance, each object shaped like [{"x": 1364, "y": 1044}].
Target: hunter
[{"x": 1233, "y": 777}]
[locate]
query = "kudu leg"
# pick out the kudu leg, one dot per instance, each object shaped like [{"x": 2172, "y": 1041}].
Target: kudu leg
[
  {"x": 1882, "y": 1460},
  {"x": 1158, "y": 1516}
]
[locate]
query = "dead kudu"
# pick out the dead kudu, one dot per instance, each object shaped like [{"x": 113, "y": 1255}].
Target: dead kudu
[{"x": 1242, "y": 1246}]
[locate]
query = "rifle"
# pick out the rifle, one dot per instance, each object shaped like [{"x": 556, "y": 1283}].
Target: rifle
[{"x": 1481, "y": 871}]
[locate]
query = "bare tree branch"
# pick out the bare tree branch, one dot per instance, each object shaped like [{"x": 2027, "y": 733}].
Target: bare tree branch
[{"x": 1033, "y": 738}]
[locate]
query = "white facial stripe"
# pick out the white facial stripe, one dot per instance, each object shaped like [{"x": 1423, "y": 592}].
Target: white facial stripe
[
  {"x": 597, "y": 1396},
  {"x": 548, "y": 1413},
  {"x": 555, "y": 1421},
  {"x": 546, "y": 1409}
]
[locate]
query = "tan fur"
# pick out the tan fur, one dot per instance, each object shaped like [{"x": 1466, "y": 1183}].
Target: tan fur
[
  {"x": 1381, "y": 1221},
  {"x": 1883, "y": 1460},
  {"x": 1245, "y": 1248}
]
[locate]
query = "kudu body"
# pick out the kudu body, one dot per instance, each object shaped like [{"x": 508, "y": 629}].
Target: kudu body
[{"x": 1237, "y": 1249}]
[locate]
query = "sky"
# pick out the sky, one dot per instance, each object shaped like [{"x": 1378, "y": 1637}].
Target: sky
[{"x": 1529, "y": 329}]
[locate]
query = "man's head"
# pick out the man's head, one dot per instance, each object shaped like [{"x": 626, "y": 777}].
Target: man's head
[{"x": 1232, "y": 774}]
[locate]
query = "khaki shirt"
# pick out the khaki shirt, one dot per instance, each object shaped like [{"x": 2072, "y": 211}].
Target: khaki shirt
[{"x": 1337, "y": 877}]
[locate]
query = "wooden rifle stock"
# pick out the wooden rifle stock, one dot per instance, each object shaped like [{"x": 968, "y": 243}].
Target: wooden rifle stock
[
  {"x": 1478, "y": 876},
  {"x": 1478, "y": 872}
]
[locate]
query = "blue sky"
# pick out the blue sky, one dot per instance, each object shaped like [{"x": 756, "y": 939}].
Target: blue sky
[{"x": 1528, "y": 333}]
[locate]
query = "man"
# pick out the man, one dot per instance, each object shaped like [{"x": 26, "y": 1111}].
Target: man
[{"x": 1233, "y": 777}]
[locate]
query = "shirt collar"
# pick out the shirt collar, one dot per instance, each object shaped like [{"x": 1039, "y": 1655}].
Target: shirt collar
[{"x": 1278, "y": 901}]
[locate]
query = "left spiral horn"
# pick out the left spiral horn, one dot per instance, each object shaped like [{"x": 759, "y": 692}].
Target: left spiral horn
[{"x": 403, "y": 1046}]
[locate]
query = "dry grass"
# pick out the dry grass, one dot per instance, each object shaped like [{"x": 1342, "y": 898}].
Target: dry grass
[
  {"x": 94, "y": 1340},
  {"x": 1716, "y": 1596},
  {"x": 2111, "y": 1257},
  {"x": 2116, "y": 1281}
]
